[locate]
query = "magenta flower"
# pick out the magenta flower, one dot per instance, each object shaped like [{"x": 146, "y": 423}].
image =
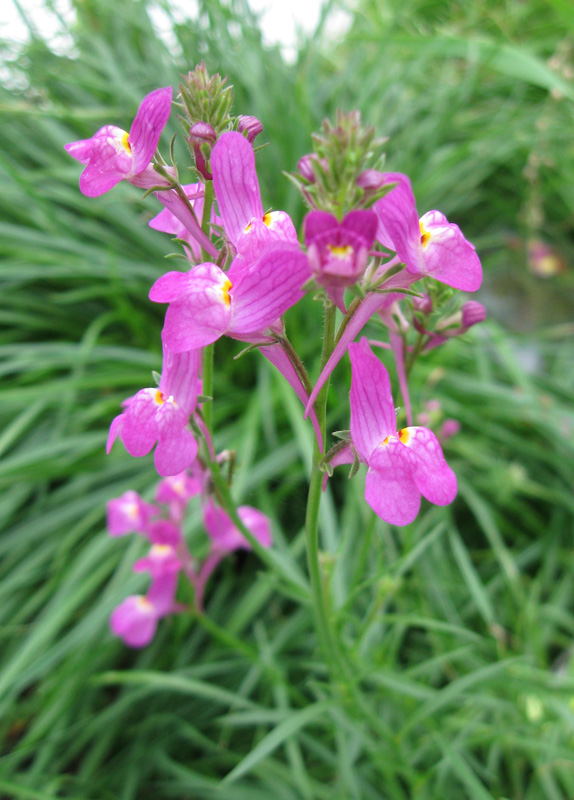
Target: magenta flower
[
  {"x": 135, "y": 621},
  {"x": 402, "y": 465},
  {"x": 164, "y": 532},
  {"x": 181, "y": 488},
  {"x": 112, "y": 154},
  {"x": 225, "y": 537},
  {"x": 236, "y": 187},
  {"x": 161, "y": 415},
  {"x": 338, "y": 251},
  {"x": 430, "y": 246},
  {"x": 129, "y": 513},
  {"x": 206, "y": 302}
]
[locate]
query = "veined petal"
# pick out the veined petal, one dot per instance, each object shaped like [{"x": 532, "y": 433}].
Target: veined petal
[
  {"x": 448, "y": 256},
  {"x": 318, "y": 223},
  {"x": 110, "y": 161},
  {"x": 432, "y": 475},
  {"x": 148, "y": 125},
  {"x": 194, "y": 322},
  {"x": 176, "y": 450},
  {"x": 139, "y": 430},
  {"x": 372, "y": 408},
  {"x": 199, "y": 311},
  {"x": 390, "y": 489},
  {"x": 263, "y": 292},
  {"x": 179, "y": 377},
  {"x": 235, "y": 183},
  {"x": 368, "y": 306},
  {"x": 398, "y": 222}
]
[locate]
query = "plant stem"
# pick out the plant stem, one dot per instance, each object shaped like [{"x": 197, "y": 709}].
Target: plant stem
[{"x": 318, "y": 587}]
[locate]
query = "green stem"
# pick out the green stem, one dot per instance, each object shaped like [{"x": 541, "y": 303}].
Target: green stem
[
  {"x": 318, "y": 587},
  {"x": 415, "y": 353}
]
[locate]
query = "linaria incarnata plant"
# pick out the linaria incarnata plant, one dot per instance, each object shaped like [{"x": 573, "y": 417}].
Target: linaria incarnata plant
[{"x": 364, "y": 250}]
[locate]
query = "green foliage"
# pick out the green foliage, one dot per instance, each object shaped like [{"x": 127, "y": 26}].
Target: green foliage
[{"x": 459, "y": 626}]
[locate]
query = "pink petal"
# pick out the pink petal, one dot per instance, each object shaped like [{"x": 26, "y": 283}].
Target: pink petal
[
  {"x": 162, "y": 592},
  {"x": 179, "y": 377},
  {"x": 200, "y": 310},
  {"x": 162, "y": 531},
  {"x": 115, "y": 430},
  {"x": 398, "y": 222},
  {"x": 135, "y": 621},
  {"x": 94, "y": 181},
  {"x": 128, "y": 513},
  {"x": 174, "y": 285},
  {"x": 432, "y": 475},
  {"x": 344, "y": 456},
  {"x": 256, "y": 522},
  {"x": 235, "y": 183},
  {"x": 318, "y": 223},
  {"x": 448, "y": 256},
  {"x": 223, "y": 533},
  {"x": 390, "y": 489},
  {"x": 398, "y": 347},
  {"x": 80, "y": 150},
  {"x": 110, "y": 162},
  {"x": 266, "y": 290},
  {"x": 148, "y": 125},
  {"x": 372, "y": 407},
  {"x": 175, "y": 452},
  {"x": 139, "y": 430}
]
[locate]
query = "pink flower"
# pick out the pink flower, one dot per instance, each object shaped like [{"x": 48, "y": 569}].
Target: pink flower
[
  {"x": 135, "y": 621},
  {"x": 236, "y": 187},
  {"x": 206, "y": 302},
  {"x": 225, "y": 537},
  {"x": 338, "y": 251},
  {"x": 430, "y": 246},
  {"x": 161, "y": 415},
  {"x": 112, "y": 154},
  {"x": 182, "y": 487},
  {"x": 402, "y": 465},
  {"x": 129, "y": 513}
]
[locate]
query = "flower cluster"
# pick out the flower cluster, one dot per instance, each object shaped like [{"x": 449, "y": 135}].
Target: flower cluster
[
  {"x": 135, "y": 619},
  {"x": 365, "y": 247}
]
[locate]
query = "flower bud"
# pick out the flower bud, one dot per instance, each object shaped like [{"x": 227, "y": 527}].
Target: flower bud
[
  {"x": 450, "y": 427},
  {"x": 202, "y": 132},
  {"x": 423, "y": 304},
  {"x": 371, "y": 180},
  {"x": 305, "y": 166},
  {"x": 472, "y": 313},
  {"x": 249, "y": 125}
]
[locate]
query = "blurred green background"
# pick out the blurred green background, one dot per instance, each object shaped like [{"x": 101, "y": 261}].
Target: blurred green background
[{"x": 459, "y": 626}]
